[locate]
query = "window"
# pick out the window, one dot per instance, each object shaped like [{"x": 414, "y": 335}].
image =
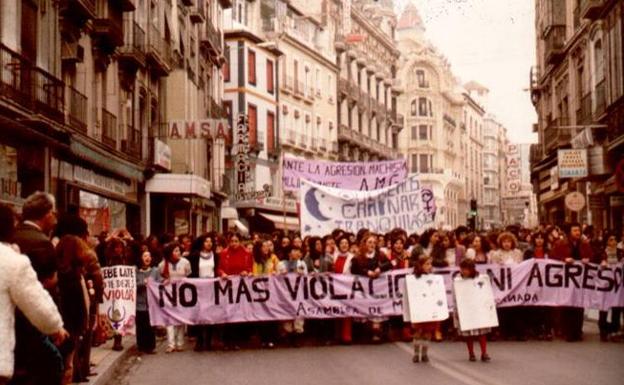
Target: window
[
  {"x": 270, "y": 131},
  {"x": 226, "y": 67},
  {"x": 270, "y": 82},
  {"x": 422, "y": 80},
  {"x": 414, "y": 110},
  {"x": 423, "y": 132},
  {"x": 252, "y": 116},
  {"x": 414, "y": 163},
  {"x": 424, "y": 164},
  {"x": 414, "y": 132},
  {"x": 425, "y": 107},
  {"x": 251, "y": 69}
]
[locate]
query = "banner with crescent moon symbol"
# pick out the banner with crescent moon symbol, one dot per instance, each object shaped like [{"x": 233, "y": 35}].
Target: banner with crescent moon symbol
[{"x": 407, "y": 205}]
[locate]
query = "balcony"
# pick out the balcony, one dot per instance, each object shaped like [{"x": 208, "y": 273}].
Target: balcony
[
  {"x": 303, "y": 141},
  {"x": 343, "y": 87},
  {"x": 287, "y": 84},
  {"x": 323, "y": 144},
  {"x": 555, "y": 135},
  {"x": 584, "y": 112},
  {"x": 78, "y": 9},
  {"x": 77, "y": 114},
  {"x": 212, "y": 39},
  {"x": 291, "y": 137},
  {"x": 555, "y": 38},
  {"x": 108, "y": 25},
  {"x": 31, "y": 87},
  {"x": 132, "y": 144},
  {"x": 159, "y": 55},
  {"x": 197, "y": 13},
  {"x": 313, "y": 143},
  {"x": 591, "y": 9},
  {"x": 215, "y": 110},
  {"x": 536, "y": 154},
  {"x": 600, "y": 100},
  {"x": 109, "y": 129},
  {"x": 132, "y": 53}
]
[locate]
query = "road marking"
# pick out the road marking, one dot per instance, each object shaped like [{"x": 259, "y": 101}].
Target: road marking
[{"x": 462, "y": 374}]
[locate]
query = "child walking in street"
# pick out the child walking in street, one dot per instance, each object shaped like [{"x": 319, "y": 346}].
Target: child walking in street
[
  {"x": 469, "y": 271},
  {"x": 423, "y": 331},
  {"x": 172, "y": 267}
]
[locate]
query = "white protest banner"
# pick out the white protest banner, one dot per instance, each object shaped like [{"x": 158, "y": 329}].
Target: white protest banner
[
  {"x": 363, "y": 176},
  {"x": 120, "y": 298},
  {"x": 475, "y": 303},
  {"x": 407, "y": 205},
  {"x": 285, "y": 297},
  {"x": 424, "y": 299}
]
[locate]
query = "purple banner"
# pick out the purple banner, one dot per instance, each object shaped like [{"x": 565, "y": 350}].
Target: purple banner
[
  {"x": 285, "y": 297},
  {"x": 362, "y": 176}
]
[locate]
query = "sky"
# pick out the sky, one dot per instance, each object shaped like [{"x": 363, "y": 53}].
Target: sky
[{"x": 493, "y": 43}]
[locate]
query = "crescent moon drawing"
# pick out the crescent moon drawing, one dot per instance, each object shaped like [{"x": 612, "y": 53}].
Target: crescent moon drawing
[{"x": 312, "y": 204}]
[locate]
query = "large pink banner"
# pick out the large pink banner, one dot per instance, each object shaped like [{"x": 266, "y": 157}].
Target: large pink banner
[
  {"x": 285, "y": 297},
  {"x": 363, "y": 176}
]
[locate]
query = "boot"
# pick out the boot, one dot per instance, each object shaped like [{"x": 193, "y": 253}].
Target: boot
[
  {"x": 117, "y": 343},
  {"x": 424, "y": 357}
]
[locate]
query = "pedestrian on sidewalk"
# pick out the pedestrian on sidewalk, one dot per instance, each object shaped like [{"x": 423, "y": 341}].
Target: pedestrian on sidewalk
[
  {"x": 37, "y": 359},
  {"x": 468, "y": 270},
  {"x": 173, "y": 267},
  {"x": 21, "y": 290},
  {"x": 423, "y": 331},
  {"x": 145, "y": 336}
]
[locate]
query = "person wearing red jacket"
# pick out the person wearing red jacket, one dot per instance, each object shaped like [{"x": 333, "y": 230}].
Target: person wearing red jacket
[
  {"x": 234, "y": 260},
  {"x": 571, "y": 250}
]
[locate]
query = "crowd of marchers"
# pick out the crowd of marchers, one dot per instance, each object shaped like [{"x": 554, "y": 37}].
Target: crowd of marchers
[{"x": 51, "y": 286}]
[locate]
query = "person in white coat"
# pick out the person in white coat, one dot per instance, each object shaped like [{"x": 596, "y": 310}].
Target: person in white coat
[{"x": 20, "y": 288}]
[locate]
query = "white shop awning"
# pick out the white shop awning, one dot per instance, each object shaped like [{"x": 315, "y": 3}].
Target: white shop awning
[
  {"x": 283, "y": 223},
  {"x": 186, "y": 184}
]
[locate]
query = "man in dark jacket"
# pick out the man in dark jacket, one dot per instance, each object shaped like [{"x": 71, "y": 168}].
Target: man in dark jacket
[
  {"x": 37, "y": 361},
  {"x": 570, "y": 250}
]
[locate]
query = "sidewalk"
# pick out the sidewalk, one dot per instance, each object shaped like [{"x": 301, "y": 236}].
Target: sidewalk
[{"x": 107, "y": 360}]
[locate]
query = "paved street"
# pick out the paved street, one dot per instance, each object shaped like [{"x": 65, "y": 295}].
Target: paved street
[{"x": 514, "y": 363}]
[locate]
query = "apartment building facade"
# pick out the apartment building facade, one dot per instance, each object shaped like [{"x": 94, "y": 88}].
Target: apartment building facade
[
  {"x": 432, "y": 105},
  {"x": 577, "y": 90},
  {"x": 83, "y": 101}
]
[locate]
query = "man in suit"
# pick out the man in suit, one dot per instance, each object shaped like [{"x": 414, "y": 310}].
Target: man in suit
[{"x": 37, "y": 360}]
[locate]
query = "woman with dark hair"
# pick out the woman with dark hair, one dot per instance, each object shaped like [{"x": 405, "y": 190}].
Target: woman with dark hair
[
  {"x": 429, "y": 239},
  {"x": 316, "y": 260},
  {"x": 371, "y": 263},
  {"x": 203, "y": 261},
  {"x": 540, "y": 317},
  {"x": 234, "y": 260},
  {"x": 72, "y": 254},
  {"x": 174, "y": 266},
  {"x": 282, "y": 248},
  {"x": 479, "y": 249}
]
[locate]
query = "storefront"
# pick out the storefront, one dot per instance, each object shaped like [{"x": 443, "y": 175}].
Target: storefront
[
  {"x": 106, "y": 202},
  {"x": 180, "y": 204},
  {"x": 269, "y": 214},
  {"x": 22, "y": 172}
]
